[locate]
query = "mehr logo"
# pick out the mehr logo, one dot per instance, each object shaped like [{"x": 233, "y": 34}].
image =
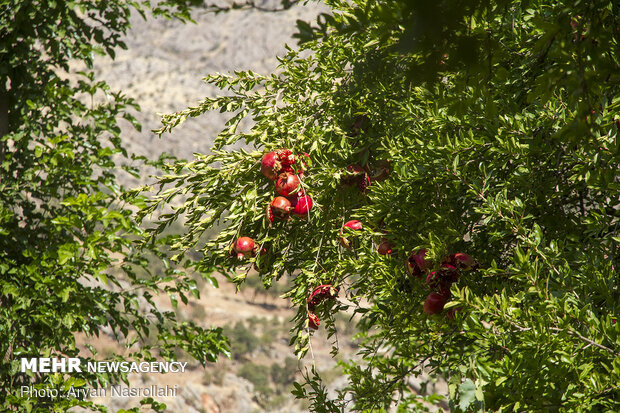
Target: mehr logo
[
  {"x": 50, "y": 365},
  {"x": 71, "y": 365}
]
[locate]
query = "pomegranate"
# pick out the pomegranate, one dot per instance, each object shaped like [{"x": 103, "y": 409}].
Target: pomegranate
[
  {"x": 464, "y": 262},
  {"x": 385, "y": 247},
  {"x": 353, "y": 225},
  {"x": 442, "y": 279},
  {"x": 279, "y": 208},
  {"x": 357, "y": 176},
  {"x": 461, "y": 261},
  {"x": 381, "y": 171},
  {"x": 287, "y": 184},
  {"x": 276, "y": 162},
  {"x": 302, "y": 206},
  {"x": 286, "y": 157},
  {"x": 363, "y": 183},
  {"x": 320, "y": 293},
  {"x": 416, "y": 265},
  {"x": 244, "y": 247},
  {"x": 270, "y": 165},
  {"x": 313, "y": 321},
  {"x": 434, "y": 303}
]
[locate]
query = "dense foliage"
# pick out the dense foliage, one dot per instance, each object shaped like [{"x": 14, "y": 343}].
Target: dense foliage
[
  {"x": 499, "y": 123},
  {"x": 67, "y": 262}
]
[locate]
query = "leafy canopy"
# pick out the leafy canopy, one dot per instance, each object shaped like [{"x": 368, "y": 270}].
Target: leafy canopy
[
  {"x": 499, "y": 121},
  {"x": 68, "y": 264}
]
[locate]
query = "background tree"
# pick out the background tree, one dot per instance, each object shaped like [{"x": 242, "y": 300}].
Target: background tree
[
  {"x": 67, "y": 261},
  {"x": 498, "y": 121}
]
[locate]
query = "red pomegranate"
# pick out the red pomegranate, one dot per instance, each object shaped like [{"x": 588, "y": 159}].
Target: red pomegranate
[
  {"x": 320, "y": 293},
  {"x": 461, "y": 261},
  {"x": 416, "y": 264},
  {"x": 434, "y": 303},
  {"x": 287, "y": 183},
  {"x": 349, "y": 226},
  {"x": 385, "y": 247},
  {"x": 451, "y": 314},
  {"x": 380, "y": 171},
  {"x": 276, "y": 162},
  {"x": 270, "y": 165},
  {"x": 244, "y": 247},
  {"x": 442, "y": 278},
  {"x": 302, "y": 206},
  {"x": 357, "y": 175},
  {"x": 279, "y": 208},
  {"x": 464, "y": 261}
]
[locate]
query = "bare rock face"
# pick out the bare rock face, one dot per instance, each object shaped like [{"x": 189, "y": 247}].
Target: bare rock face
[
  {"x": 166, "y": 60},
  {"x": 209, "y": 405}
]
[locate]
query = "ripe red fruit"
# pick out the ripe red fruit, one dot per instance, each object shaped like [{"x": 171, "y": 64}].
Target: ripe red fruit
[
  {"x": 385, "y": 247},
  {"x": 320, "y": 293},
  {"x": 464, "y": 261},
  {"x": 357, "y": 176},
  {"x": 302, "y": 206},
  {"x": 313, "y": 321},
  {"x": 287, "y": 184},
  {"x": 434, "y": 303},
  {"x": 442, "y": 279},
  {"x": 416, "y": 264},
  {"x": 286, "y": 157},
  {"x": 244, "y": 247},
  {"x": 279, "y": 208},
  {"x": 353, "y": 225},
  {"x": 270, "y": 165},
  {"x": 356, "y": 170},
  {"x": 276, "y": 162},
  {"x": 461, "y": 261}
]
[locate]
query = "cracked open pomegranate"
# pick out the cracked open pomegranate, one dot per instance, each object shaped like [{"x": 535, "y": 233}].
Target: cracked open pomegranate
[
  {"x": 279, "y": 208},
  {"x": 320, "y": 293},
  {"x": 313, "y": 321},
  {"x": 276, "y": 162}
]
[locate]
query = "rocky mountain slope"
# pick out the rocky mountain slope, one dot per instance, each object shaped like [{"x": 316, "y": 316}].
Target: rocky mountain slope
[{"x": 165, "y": 61}]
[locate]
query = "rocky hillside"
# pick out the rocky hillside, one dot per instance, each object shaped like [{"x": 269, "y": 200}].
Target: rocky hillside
[{"x": 165, "y": 61}]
